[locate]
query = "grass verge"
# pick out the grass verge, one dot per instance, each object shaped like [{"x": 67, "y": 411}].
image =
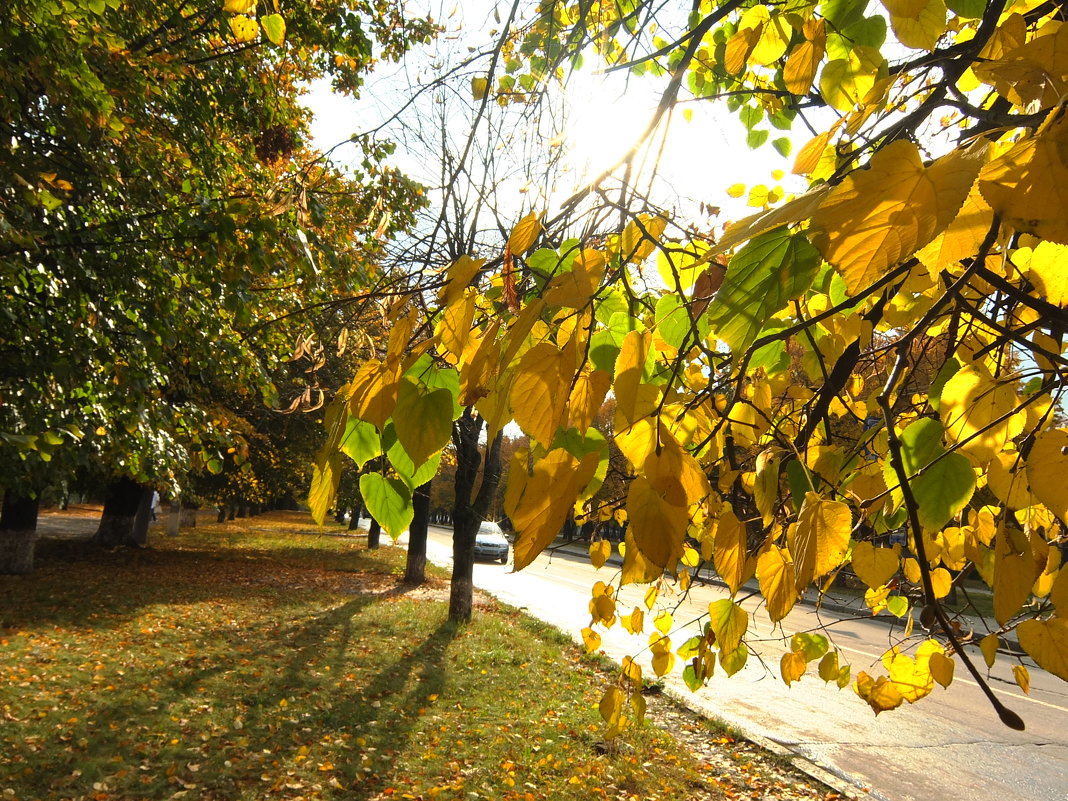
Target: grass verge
[{"x": 264, "y": 660}]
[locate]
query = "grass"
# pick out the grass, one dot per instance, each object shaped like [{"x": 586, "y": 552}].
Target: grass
[{"x": 264, "y": 660}]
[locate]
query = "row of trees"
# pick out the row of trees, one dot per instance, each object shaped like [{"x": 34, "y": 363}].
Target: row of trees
[
  {"x": 162, "y": 220},
  {"x": 880, "y": 352}
]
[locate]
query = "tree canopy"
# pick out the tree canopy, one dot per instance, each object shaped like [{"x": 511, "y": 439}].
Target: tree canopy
[
  {"x": 865, "y": 377},
  {"x": 160, "y": 205}
]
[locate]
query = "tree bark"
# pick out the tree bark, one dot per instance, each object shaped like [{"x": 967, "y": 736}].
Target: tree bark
[
  {"x": 415, "y": 568},
  {"x": 18, "y": 534},
  {"x": 467, "y": 515},
  {"x": 127, "y": 508},
  {"x": 354, "y": 521},
  {"x": 374, "y": 532}
]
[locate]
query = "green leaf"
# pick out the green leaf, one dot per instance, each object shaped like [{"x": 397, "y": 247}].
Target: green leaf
[
  {"x": 361, "y": 441},
  {"x": 689, "y": 675},
  {"x": 756, "y": 138},
  {"x": 967, "y": 9},
  {"x": 761, "y": 279},
  {"x": 947, "y": 482},
  {"x": 274, "y": 25},
  {"x": 673, "y": 322},
  {"x": 782, "y": 146},
  {"x": 422, "y": 419},
  {"x": 733, "y": 661},
  {"x": 389, "y": 501},
  {"x": 412, "y": 475},
  {"x": 811, "y": 646},
  {"x": 751, "y": 116},
  {"x": 897, "y": 605},
  {"x": 729, "y": 622},
  {"x": 578, "y": 445}
]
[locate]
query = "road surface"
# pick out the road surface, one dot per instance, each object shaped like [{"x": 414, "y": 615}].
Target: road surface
[{"x": 949, "y": 745}]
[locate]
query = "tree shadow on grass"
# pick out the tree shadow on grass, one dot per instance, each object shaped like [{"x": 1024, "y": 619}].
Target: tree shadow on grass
[{"x": 272, "y": 705}]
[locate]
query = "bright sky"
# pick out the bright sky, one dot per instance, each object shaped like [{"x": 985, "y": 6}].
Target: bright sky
[{"x": 605, "y": 114}]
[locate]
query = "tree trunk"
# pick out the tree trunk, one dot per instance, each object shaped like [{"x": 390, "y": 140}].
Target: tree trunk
[
  {"x": 373, "y": 534},
  {"x": 127, "y": 507},
  {"x": 354, "y": 521},
  {"x": 18, "y": 534},
  {"x": 467, "y": 515},
  {"x": 415, "y": 569}
]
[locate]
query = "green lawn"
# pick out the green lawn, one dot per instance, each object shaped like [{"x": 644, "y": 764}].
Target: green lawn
[{"x": 263, "y": 659}]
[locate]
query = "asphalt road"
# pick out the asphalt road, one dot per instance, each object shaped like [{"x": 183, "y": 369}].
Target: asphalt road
[{"x": 949, "y": 745}]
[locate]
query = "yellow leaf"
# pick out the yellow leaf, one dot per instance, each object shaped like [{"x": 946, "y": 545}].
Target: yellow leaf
[
  {"x": 664, "y": 621},
  {"x": 941, "y": 669},
  {"x": 591, "y": 639},
  {"x": 641, "y": 236},
  {"x": 374, "y": 392},
  {"x": 881, "y": 694},
  {"x": 479, "y": 87},
  {"x": 800, "y": 208},
  {"x": 962, "y": 238},
  {"x": 1048, "y": 271},
  {"x": 775, "y": 572},
  {"x": 634, "y": 622},
  {"x": 1014, "y": 572},
  {"x": 400, "y": 339},
  {"x": 808, "y": 157},
  {"x": 575, "y": 287},
  {"x": 736, "y": 190},
  {"x": 804, "y": 60},
  {"x": 663, "y": 662},
  {"x": 729, "y": 623},
  {"x": 1032, "y": 73},
  {"x": 1047, "y": 466},
  {"x": 244, "y": 28},
  {"x": 525, "y": 233},
  {"x": 879, "y": 216},
  {"x": 989, "y": 646},
  {"x": 874, "y": 566},
  {"x": 239, "y": 6},
  {"x": 766, "y": 487},
  {"x": 845, "y": 82},
  {"x": 1023, "y": 678},
  {"x": 454, "y": 329},
  {"x": 828, "y": 668},
  {"x": 611, "y": 706},
  {"x": 821, "y": 538},
  {"x": 729, "y": 552},
  {"x": 1007, "y": 479},
  {"x": 792, "y": 666},
  {"x": 976, "y": 409},
  {"x": 657, "y": 524},
  {"x": 775, "y": 35},
  {"x": 461, "y": 275},
  {"x": 547, "y": 497},
  {"x": 634, "y": 399},
  {"x": 637, "y": 568},
  {"x": 1028, "y": 185},
  {"x": 739, "y": 48},
  {"x": 1046, "y": 641},
  {"x": 917, "y": 23},
  {"x": 600, "y": 550},
  {"x": 674, "y": 473},
  {"x": 632, "y": 671},
  {"x": 1058, "y": 594},
  {"x": 539, "y": 391}
]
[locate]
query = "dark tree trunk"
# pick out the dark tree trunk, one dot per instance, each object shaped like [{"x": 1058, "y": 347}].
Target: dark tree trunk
[
  {"x": 354, "y": 521},
  {"x": 339, "y": 515},
  {"x": 127, "y": 509},
  {"x": 415, "y": 569},
  {"x": 18, "y": 534},
  {"x": 222, "y": 515},
  {"x": 373, "y": 534},
  {"x": 467, "y": 515}
]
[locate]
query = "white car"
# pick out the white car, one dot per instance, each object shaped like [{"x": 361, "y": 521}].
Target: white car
[{"x": 490, "y": 542}]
